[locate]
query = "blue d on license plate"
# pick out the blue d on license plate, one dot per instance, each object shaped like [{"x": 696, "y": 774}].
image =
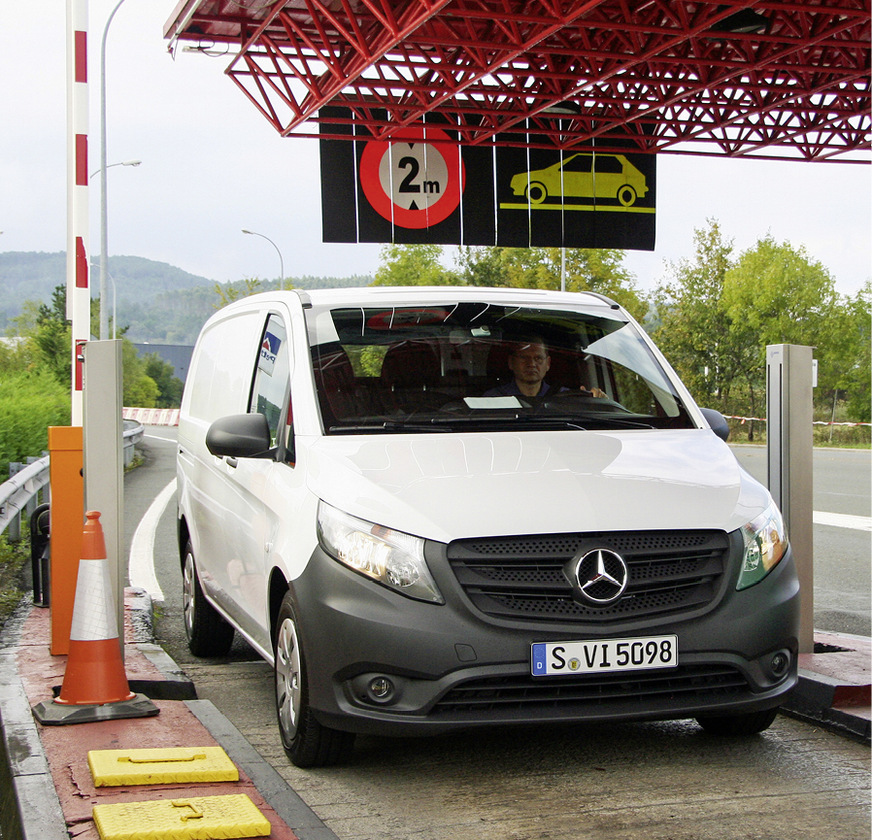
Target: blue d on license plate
[{"x": 550, "y": 659}]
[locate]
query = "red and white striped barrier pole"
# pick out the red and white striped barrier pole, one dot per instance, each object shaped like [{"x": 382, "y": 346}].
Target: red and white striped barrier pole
[{"x": 78, "y": 291}]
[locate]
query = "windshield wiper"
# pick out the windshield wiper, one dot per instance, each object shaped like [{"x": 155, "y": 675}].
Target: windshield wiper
[
  {"x": 504, "y": 421},
  {"x": 621, "y": 422},
  {"x": 388, "y": 426}
]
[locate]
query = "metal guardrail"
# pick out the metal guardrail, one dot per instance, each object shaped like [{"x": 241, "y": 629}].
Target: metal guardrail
[{"x": 21, "y": 493}]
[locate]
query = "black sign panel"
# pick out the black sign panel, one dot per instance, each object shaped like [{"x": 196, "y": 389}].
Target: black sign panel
[{"x": 422, "y": 187}]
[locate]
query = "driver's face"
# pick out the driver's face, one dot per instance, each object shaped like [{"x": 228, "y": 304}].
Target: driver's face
[{"x": 530, "y": 363}]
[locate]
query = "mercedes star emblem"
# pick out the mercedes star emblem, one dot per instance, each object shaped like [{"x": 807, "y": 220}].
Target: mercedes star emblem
[{"x": 602, "y": 576}]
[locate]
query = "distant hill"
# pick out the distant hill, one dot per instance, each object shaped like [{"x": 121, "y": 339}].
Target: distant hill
[{"x": 158, "y": 302}]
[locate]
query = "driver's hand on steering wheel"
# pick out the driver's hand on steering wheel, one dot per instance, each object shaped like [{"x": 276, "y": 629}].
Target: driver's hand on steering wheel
[{"x": 593, "y": 392}]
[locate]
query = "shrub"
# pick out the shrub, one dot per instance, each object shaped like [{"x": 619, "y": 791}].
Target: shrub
[{"x": 29, "y": 404}]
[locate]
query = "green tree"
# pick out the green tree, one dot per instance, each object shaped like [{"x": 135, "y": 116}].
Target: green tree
[
  {"x": 695, "y": 328},
  {"x": 30, "y": 402},
  {"x": 139, "y": 389},
  {"x": 586, "y": 269},
  {"x": 229, "y": 292},
  {"x": 169, "y": 387},
  {"x": 856, "y": 363},
  {"x": 844, "y": 366},
  {"x": 776, "y": 294},
  {"x": 413, "y": 265},
  {"x": 52, "y": 337}
]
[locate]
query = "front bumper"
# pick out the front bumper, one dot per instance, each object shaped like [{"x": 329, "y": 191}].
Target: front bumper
[{"x": 451, "y": 667}]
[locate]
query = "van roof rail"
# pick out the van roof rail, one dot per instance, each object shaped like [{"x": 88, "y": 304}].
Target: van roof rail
[{"x": 605, "y": 299}]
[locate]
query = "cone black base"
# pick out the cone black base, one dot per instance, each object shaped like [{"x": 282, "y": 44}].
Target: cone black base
[{"x": 57, "y": 714}]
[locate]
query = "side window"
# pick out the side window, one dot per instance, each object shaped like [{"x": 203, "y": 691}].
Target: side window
[{"x": 272, "y": 380}]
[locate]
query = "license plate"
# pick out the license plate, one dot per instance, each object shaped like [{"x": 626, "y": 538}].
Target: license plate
[{"x": 596, "y": 656}]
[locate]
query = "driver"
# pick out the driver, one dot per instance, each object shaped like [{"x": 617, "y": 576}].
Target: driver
[{"x": 529, "y": 362}]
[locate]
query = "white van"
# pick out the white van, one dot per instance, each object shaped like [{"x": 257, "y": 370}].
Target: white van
[{"x": 441, "y": 508}]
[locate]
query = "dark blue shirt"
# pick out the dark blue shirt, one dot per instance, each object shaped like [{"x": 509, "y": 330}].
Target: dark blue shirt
[{"x": 511, "y": 389}]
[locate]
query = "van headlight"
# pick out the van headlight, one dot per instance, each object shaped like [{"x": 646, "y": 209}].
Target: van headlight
[
  {"x": 765, "y": 544},
  {"x": 392, "y": 558}
]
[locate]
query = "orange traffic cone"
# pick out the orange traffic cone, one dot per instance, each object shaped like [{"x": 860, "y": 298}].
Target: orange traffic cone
[
  {"x": 94, "y": 676},
  {"x": 95, "y": 672}
]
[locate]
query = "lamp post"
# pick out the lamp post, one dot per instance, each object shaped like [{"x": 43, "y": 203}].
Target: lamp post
[
  {"x": 104, "y": 257},
  {"x": 104, "y": 264},
  {"x": 114, "y": 301},
  {"x": 281, "y": 261}
]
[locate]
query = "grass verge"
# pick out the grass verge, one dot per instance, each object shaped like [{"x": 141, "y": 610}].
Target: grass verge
[{"x": 13, "y": 557}]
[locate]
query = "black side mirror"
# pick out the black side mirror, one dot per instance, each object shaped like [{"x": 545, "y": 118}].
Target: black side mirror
[
  {"x": 239, "y": 436},
  {"x": 717, "y": 421}
]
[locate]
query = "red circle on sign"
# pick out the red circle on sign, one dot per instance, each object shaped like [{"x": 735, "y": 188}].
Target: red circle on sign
[{"x": 372, "y": 168}]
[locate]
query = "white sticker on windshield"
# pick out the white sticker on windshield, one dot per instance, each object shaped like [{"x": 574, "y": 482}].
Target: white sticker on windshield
[{"x": 493, "y": 402}]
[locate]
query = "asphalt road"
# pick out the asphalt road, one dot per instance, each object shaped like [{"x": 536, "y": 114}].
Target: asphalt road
[{"x": 660, "y": 781}]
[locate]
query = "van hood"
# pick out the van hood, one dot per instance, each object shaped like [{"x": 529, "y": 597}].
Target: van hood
[{"x": 451, "y": 486}]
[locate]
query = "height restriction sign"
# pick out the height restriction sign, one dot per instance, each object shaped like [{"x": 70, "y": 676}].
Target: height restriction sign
[{"x": 415, "y": 179}]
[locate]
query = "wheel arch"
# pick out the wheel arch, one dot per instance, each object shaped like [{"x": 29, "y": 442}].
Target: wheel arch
[
  {"x": 278, "y": 586},
  {"x": 183, "y": 535}
]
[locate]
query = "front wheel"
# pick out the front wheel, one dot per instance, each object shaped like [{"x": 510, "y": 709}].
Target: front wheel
[
  {"x": 749, "y": 723},
  {"x": 306, "y": 742},
  {"x": 207, "y": 632}
]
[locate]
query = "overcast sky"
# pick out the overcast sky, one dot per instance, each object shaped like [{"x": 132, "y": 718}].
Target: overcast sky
[{"x": 212, "y": 165}]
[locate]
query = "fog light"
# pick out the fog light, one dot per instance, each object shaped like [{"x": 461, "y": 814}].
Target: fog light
[
  {"x": 779, "y": 663},
  {"x": 381, "y": 689}
]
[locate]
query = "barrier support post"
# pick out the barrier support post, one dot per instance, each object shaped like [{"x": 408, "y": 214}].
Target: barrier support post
[
  {"x": 789, "y": 375},
  {"x": 104, "y": 457},
  {"x": 67, "y": 513}
]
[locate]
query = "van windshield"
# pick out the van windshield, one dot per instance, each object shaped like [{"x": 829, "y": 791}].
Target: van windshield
[{"x": 467, "y": 366}]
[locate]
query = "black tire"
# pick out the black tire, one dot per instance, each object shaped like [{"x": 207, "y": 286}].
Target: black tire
[
  {"x": 306, "y": 742},
  {"x": 749, "y": 723},
  {"x": 207, "y": 632}
]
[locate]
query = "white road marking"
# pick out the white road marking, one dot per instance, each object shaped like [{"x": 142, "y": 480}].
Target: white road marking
[
  {"x": 141, "y": 564},
  {"x": 842, "y": 520}
]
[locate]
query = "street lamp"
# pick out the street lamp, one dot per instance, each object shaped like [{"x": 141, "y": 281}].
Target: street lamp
[
  {"x": 104, "y": 257},
  {"x": 281, "y": 261},
  {"x": 120, "y": 163}
]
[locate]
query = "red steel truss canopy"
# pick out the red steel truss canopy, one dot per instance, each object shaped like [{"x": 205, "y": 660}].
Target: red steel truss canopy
[{"x": 786, "y": 79}]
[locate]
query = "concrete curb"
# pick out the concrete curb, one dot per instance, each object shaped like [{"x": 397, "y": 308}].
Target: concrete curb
[
  {"x": 815, "y": 700},
  {"x": 30, "y": 808},
  {"x": 283, "y": 799}
]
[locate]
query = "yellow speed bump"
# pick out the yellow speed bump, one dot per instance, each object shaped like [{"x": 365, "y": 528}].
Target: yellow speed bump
[
  {"x": 197, "y": 818},
  {"x": 165, "y": 765}
]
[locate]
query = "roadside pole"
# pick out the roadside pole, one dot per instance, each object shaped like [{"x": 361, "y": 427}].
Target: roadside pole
[
  {"x": 789, "y": 369},
  {"x": 104, "y": 457}
]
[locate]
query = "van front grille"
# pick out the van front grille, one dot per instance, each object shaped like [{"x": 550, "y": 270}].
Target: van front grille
[
  {"x": 685, "y": 687},
  {"x": 531, "y": 577}
]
